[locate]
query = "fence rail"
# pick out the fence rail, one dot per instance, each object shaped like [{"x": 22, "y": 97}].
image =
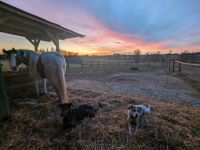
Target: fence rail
[
  {"x": 117, "y": 63},
  {"x": 188, "y": 64},
  {"x": 173, "y": 65}
]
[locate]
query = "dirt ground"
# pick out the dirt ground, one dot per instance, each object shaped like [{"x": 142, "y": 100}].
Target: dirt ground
[{"x": 153, "y": 85}]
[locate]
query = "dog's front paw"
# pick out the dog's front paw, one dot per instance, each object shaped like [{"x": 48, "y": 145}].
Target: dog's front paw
[{"x": 130, "y": 131}]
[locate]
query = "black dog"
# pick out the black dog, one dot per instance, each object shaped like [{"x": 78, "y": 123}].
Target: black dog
[{"x": 72, "y": 117}]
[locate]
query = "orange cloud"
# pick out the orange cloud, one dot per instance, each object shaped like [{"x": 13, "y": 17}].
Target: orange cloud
[{"x": 101, "y": 40}]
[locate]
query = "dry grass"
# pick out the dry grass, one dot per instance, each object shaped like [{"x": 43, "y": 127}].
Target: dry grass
[{"x": 39, "y": 126}]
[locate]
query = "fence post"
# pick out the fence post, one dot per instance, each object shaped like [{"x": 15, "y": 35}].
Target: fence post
[
  {"x": 179, "y": 67},
  {"x": 169, "y": 65},
  {"x": 68, "y": 64},
  {"x": 162, "y": 62},
  {"x": 81, "y": 64},
  {"x": 91, "y": 64},
  {"x": 173, "y": 65},
  {"x": 4, "y": 102}
]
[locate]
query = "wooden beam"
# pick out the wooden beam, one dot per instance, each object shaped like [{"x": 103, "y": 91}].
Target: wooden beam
[
  {"x": 21, "y": 27},
  {"x": 22, "y": 33},
  {"x": 61, "y": 32},
  {"x": 35, "y": 42},
  {"x": 32, "y": 23},
  {"x": 3, "y": 19},
  {"x": 27, "y": 17},
  {"x": 55, "y": 39}
]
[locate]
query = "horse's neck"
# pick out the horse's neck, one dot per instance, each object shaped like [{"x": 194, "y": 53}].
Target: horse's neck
[
  {"x": 29, "y": 57},
  {"x": 33, "y": 54},
  {"x": 33, "y": 57}
]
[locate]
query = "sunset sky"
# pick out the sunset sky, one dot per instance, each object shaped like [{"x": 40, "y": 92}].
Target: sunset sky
[{"x": 117, "y": 26}]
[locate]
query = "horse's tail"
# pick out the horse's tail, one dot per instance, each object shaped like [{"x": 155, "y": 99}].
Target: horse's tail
[{"x": 62, "y": 85}]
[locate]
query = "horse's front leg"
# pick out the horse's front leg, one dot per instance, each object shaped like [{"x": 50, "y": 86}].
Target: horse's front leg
[
  {"x": 37, "y": 87},
  {"x": 45, "y": 86}
]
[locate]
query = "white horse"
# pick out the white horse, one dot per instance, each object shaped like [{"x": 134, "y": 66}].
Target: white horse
[{"x": 49, "y": 65}]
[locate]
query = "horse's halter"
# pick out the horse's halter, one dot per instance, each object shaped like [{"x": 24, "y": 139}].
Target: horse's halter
[
  {"x": 11, "y": 55},
  {"x": 21, "y": 57}
]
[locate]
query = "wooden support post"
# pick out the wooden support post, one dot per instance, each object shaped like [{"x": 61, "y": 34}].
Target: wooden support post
[
  {"x": 35, "y": 42},
  {"x": 169, "y": 65},
  {"x": 55, "y": 39},
  {"x": 4, "y": 102}
]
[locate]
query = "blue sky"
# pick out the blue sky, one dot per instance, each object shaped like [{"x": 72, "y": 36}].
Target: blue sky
[{"x": 118, "y": 25}]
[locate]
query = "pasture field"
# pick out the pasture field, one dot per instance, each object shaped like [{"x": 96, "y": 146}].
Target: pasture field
[{"x": 173, "y": 124}]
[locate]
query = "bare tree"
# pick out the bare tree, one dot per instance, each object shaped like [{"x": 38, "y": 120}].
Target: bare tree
[{"x": 137, "y": 53}]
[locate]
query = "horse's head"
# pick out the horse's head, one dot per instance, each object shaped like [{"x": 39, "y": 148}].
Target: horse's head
[
  {"x": 12, "y": 57},
  {"x": 16, "y": 57}
]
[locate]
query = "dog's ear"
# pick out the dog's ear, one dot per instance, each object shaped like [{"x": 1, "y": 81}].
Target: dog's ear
[{"x": 130, "y": 106}]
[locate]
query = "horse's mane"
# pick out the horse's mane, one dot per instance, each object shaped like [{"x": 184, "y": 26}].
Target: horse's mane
[{"x": 28, "y": 52}]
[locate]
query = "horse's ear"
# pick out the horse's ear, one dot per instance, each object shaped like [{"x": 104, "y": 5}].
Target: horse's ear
[
  {"x": 5, "y": 51},
  {"x": 14, "y": 50}
]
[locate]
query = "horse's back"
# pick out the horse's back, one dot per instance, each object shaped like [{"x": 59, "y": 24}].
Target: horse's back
[
  {"x": 52, "y": 60},
  {"x": 52, "y": 54}
]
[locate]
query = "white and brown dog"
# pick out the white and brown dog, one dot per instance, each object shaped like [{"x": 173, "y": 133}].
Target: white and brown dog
[{"x": 135, "y": 114}]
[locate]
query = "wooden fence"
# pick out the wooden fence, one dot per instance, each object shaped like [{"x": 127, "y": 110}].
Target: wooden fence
[
  {"x": 116, "y": 63},
  {"x": 173, "y": 65},
  {"x": 104, "y": 63}
]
